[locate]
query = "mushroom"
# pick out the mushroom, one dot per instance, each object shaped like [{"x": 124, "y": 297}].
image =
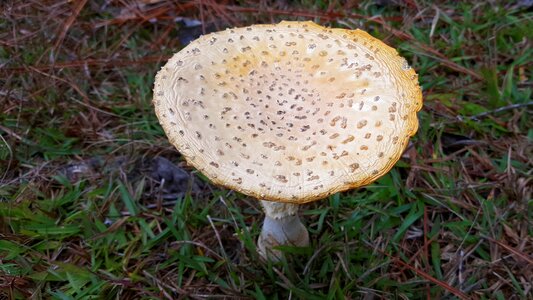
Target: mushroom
[{"x": 288, "y": 113}]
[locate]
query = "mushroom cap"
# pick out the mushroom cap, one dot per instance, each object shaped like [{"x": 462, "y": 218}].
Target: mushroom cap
[{"x": 290, "y": 112}]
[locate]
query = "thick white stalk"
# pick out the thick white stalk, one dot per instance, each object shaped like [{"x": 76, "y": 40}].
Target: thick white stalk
[{"x": 282, "y": 226}]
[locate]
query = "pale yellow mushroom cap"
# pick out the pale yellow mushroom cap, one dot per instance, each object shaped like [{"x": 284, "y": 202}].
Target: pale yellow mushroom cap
[{"x": 290, "y": 112}]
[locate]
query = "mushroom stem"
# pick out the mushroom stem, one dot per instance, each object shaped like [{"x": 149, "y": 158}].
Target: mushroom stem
[{"x": 282, "y": 226}]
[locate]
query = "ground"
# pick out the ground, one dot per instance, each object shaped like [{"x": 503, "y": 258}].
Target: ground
[{"x": 95, "y": 202}]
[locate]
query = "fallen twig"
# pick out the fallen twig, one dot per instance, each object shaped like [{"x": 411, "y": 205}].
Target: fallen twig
[
  {"x": 103, "y": 63},
  {"x": 68, "y": 23},
  {"x": 499, "y": 110},
  {"x": 424, "y": 275},
  {"x": 523, "y": 256}
]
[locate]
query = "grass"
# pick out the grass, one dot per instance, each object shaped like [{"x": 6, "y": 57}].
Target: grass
[{"x": 81, "y": 217}]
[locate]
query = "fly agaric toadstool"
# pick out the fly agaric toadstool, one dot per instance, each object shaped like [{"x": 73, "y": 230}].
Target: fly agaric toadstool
[{"x": 288, "y": 113}]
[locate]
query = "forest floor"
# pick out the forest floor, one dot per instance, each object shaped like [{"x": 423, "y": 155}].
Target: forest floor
[{"x": 84, "y": 214}]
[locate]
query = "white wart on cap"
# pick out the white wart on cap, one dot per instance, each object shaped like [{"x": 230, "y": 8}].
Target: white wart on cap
[{"x": 290, "y": 112}]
